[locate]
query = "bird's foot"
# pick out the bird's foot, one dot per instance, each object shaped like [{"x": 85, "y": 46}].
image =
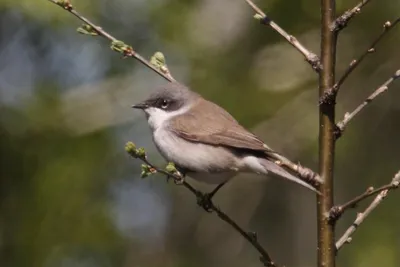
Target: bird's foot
[{"x": 204, "y": 200}]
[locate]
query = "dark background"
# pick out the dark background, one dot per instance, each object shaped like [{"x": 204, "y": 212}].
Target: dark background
[{"x": 69, "y": 194}]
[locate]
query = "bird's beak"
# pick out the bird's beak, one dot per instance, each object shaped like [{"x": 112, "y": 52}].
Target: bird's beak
[{"x": 140, "y": 106}]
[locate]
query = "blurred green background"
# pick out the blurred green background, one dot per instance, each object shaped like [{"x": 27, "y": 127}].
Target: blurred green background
[{"x": 70, "y": 196}]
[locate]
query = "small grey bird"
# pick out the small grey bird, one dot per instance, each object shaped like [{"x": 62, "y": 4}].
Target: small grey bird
[{"x": 205, "y": 141}]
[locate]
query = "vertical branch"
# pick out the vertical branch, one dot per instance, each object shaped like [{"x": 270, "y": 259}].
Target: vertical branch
[{"x": 326, "y": 241}]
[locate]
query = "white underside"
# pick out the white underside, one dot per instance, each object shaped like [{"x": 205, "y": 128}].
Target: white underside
[{"x": 209, "y": 164}]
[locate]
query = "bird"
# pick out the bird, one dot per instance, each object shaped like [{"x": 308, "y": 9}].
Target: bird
[{"x": 204, "y": 141}]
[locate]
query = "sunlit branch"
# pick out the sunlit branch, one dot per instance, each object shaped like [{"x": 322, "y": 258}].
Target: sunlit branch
[{"x": 127, "y": 51}]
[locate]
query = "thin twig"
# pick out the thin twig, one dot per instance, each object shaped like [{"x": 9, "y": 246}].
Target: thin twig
[
  {"x": 346, "y": 237},
  {"x": 387, "y": 26},
  {"x": 342, "y": 21},
  {"x": 251, "y": 237},
  {"x": 329, "y": 95},
  {"x": 310, "y": 57},
  {"x": 116, "y": 45},
  {"x": 349, "y": 116},
  {"x": 337, "y": 211}
]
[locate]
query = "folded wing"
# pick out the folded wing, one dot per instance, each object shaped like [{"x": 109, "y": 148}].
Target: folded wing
[{"x": 217, "y": 127}]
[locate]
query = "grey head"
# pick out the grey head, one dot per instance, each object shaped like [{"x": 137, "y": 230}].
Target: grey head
[{"x": 168, "y": 98}]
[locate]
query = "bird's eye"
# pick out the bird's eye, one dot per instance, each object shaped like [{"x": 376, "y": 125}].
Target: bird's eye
[{"x": 164, "y": 104}]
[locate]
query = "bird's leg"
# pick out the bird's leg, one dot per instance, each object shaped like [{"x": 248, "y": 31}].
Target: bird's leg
[
  {"x": 205, "y": 200},
  {"x": 216, "y": 189},
  {"x": 181, "y": 173}
]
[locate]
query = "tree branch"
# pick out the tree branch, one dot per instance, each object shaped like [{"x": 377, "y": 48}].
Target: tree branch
[
  {"x": 349, "y": 116},
  {"x": 346, "y": 237},
  {"x": 342, "y": 21},
  {"x": 327, "y": 97},
  {"x": 127, "y": 51},
  {"x": 326, "y": 231},
  {"x": 310, "y": 57},
  {"x": 172, "y": 172},
  {"x": 337, "y": 211}
]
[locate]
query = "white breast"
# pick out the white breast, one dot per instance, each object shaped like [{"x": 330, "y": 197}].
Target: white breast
[
  {"x": 193, "y": 156},
  {"x": 211, "y": 164}
]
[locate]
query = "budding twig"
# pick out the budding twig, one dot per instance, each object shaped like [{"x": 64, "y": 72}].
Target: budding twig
[
  {"x": 346, "y": 237},
  {"x": 349, "y": 116},
  {"x": 310, "y": 57},
  {"x": 127, "y": 51},
  {"x": 172, "y": 172},
  {"x": 342, "y": 21},
  {"x": 332, "y": 92}
]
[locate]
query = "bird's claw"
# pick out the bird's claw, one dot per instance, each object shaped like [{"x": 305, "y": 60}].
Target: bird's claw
[
  {"x": 204, "y": 201},
  {"x": 179, "y": 181}
]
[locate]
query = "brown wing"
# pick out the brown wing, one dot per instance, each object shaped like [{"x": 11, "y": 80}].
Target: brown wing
[{"x": 215, "y": 126}]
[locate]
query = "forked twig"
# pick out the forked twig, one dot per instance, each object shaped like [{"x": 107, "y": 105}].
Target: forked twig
[
  {"x": 337, "y": 211},
  {"x": 346, "y": 237},
  {"x": 332, "y": 92}
]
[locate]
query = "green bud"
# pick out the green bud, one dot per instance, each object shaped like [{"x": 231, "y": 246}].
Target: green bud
[
  {"x": 160, "y": 57},
  {"x": 144, "y": 174},
  {"x": 158, "y": 61},
  {"x": 130, "y": 147},
  {"x": 147, "y": 171},
  {"x": 171, "y": 168},
  {"x": 117, "y": 45},
  {"x": 87, "y": 29},
  {"x": 140, "y": 152},
  {"x": 121, "y": 47}
]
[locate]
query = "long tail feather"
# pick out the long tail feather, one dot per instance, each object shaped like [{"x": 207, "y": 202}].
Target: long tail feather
[{"x": 278, "y": 170}]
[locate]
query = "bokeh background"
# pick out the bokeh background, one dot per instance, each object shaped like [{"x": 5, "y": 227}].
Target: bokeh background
[{"x": 69, "y": 194}]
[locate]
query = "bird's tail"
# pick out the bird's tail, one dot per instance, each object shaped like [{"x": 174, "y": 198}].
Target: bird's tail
[{"x": 278, "y": 170}]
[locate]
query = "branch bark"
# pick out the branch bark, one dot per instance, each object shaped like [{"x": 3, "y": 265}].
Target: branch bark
[
  {"x": 310, "y": 57},
  {"x": 326, "y": 242},
  {"x": 341, "y": 22},
  {"x": 347, "y": 236}
]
